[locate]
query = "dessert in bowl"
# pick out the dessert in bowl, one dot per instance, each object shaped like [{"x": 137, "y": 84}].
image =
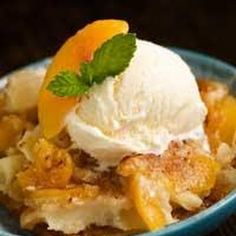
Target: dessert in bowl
[{"x": 116, "y": 137}]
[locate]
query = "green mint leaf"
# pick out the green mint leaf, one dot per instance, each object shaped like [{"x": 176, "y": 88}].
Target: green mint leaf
[
  {"x": 86, "y": 73},
  {"x": 112, "y": 58},
  {"x": 67, "y": 83}
]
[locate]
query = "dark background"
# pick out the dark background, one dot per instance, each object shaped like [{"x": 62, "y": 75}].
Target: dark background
[{"x": 34, "y": 29}]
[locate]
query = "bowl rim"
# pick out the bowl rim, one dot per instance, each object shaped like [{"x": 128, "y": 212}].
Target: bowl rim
[
  {"x": 204, "y": 57},
  {"x": 208, "y": 212}
]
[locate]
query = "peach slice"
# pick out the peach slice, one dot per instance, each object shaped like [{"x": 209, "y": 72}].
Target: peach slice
[
  {"x": 221, "y": 119},
  {"x": 52, "y": 168},
  {"x": 196, "y": 174},
  {"x": 150, "y": 195},
  {"x": 77, "y": 49},
  {"x": 227, "y": 127}
]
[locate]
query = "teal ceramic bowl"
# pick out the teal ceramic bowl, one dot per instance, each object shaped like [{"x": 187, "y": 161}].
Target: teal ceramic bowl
[{"x": 201, "y": 223}]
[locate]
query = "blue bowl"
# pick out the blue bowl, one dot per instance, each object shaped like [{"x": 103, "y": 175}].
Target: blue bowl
[{"x": 203, "y": 222}]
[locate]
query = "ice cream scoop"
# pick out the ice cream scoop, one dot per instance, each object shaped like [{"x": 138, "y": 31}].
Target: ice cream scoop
[{"x": 154, "y": 101}]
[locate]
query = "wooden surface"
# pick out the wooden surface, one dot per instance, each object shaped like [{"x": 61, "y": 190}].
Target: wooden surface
[{"x": 34, "y": 29}]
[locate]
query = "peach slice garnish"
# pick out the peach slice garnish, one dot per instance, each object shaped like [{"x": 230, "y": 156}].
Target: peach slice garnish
[{"x": 77, "y": 49}]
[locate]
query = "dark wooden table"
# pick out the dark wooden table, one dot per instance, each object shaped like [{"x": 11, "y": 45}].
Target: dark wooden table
[{"x": 34, "y": 29}]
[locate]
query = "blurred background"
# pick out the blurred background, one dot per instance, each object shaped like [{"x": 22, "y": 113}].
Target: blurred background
[{"x": 34, "y": 29}]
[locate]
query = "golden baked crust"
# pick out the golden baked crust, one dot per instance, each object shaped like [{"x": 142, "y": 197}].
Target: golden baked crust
[{"x": 187, "y": 169}]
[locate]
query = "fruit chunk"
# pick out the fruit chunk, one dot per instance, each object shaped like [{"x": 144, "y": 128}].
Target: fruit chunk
[
  {"x": 77, "y": 49},
  {"x": 52, "y": 168},
  {"x": 221, "y": 122},
  {"x": 221, "y": 119},
  {"x": 151, "y": 196},
  {"x": 227, "y": 127},
  {"x": 196, "y": 174},
  {"x": 184, "y": 176},
  {"x": 62, "y": 197}
]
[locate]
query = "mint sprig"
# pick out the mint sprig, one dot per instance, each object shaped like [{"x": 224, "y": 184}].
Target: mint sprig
[
  {"x": 67, "y": 83},
  {"x": 111, "y": 59}
]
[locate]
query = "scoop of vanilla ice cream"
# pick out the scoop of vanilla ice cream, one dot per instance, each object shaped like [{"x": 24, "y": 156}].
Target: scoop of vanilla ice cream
[{"x": 154, "y": 101}]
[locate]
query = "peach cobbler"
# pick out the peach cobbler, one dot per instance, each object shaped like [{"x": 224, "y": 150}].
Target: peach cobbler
[{"x": 114, "y": 137}]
